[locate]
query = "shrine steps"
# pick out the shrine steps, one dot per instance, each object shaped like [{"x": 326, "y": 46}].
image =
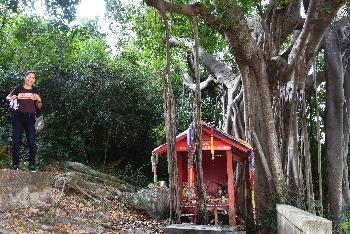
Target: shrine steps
[
  {"x": 186, "y": 228},
  {"x": 187, "y": 215}
]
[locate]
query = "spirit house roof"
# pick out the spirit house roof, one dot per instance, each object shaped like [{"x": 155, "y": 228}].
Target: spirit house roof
[{"x": 221, "y": 142}]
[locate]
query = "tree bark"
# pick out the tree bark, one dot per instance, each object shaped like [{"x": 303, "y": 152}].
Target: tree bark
[
  {"x": 345, "y": 50},
  {"x": 307, "y": 156},
  {"x": 170, "y": 126},
  {"x": 346, "y": 119},
  {"x": 334, "y": 125},
  {"x": 318, "y": 135},
  {"x": 202, "y": 214}
]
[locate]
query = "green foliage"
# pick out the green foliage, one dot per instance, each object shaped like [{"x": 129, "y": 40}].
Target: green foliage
[
  {"x": 286, "y": 43},
  {"x": 149, "y": 42},
  {"x": 33, "y": 43},
  {"x": 135, "y": 176},
  {"x": 5, "y": 157},
  {"x": 269, "y": 220},
  {"x": 159, "y": 133},
  {"x": 326, "y": 10},
  {"x": 248, "y": 6},
  {"x": 97, "y": 108},
  {"x": 105, "y": 108},
  {"x": 291, "y": 197},
  {"x": 149, "y": 29},
  {"x": 345, "y": 222},
  {"x": 346, "y": 226},
  {"x": 283, "y": 3},
  {"x": 8, "y": 81},
  {"x": 60, "y": 10},
  {"x": 63, "y": 9}
]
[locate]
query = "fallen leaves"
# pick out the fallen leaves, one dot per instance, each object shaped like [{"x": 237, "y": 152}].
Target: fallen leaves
[{"x": 73, "y": 212}]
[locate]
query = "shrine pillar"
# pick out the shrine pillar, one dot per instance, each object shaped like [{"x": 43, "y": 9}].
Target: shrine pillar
[{"x": 231, "y": 191}]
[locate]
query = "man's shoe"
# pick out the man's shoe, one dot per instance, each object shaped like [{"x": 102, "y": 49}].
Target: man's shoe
[
  {"x": 31, "y": 168},
  {"x": 15, "y": 168}
]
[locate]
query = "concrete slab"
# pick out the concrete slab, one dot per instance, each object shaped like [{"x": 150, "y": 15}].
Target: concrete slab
[
  {"x": 200, "y": 229},
  {"x": 293, "y": 220}
]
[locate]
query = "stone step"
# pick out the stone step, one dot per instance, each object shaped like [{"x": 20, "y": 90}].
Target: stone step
[{"x": 187, "y": 215}]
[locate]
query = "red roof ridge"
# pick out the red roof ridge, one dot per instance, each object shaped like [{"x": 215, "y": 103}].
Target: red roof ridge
[{"x": 218, "y": 132}]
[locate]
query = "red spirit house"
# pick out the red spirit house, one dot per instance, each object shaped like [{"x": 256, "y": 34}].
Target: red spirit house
[{"x": 220, "y": 152}]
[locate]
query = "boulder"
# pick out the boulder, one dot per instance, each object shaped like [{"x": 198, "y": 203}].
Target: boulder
[{"x": 154, "y": 200}]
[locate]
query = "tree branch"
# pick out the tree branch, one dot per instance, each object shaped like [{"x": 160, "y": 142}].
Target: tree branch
[
  {"x": 320, "y": 15},
  {"x": 195, "y": 9},
  {"x": 278, "y": 22},
  {"x": 231, "y": 25},
  {"x": 188, "y": 81}
]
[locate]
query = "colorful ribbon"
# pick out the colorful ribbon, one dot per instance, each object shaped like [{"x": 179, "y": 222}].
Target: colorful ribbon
[
  {"x": 251, "y": 178},
  {"x": 212, "y": 142},
  {"x": 154, "y": 160}
]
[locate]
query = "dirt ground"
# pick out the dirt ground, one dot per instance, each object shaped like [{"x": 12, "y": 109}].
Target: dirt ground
[
  {"x": 75, "y": 214},
  {"x": 70, "y": 211}
]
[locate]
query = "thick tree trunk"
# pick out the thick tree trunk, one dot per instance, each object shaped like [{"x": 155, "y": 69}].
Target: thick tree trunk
[
  {"x": 344, "y": 41},
  {"x": 346, "y": 191},
  {"x": 257, "y": 136},
  {"x": 266, "y": 123},
  {"x": 334, "y": 126}
]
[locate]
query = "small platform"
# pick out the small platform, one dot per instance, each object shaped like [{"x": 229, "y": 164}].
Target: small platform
[
  {"x": 20, "y": 189},
  {"x": 200, "y": 229}
]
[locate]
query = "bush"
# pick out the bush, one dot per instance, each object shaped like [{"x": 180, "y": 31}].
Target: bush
[{"x": 346, "y": 226}]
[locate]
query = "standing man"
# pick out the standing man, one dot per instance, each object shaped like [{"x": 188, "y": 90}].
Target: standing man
[{"x": 24, "y": 100}]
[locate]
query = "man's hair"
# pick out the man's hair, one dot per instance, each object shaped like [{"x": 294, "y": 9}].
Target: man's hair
[{"x": 28, "y": 72}]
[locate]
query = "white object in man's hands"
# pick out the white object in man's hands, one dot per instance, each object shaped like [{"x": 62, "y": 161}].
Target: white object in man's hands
[{"x": 14, "y": 104}]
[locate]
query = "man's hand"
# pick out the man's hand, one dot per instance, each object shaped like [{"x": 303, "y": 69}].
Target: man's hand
[
  {"x": 36, "y": 97},
  {"x": 11, "y": 97}
]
